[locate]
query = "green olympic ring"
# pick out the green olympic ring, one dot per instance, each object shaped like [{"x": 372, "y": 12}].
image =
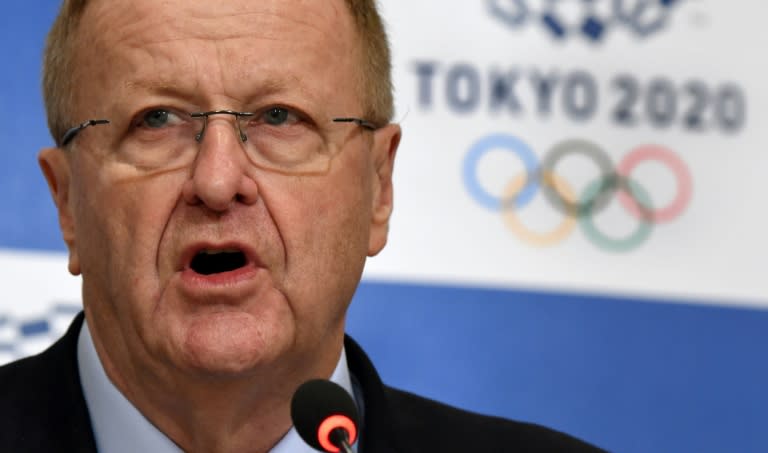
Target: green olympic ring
[{"x": 602, "y": 240}]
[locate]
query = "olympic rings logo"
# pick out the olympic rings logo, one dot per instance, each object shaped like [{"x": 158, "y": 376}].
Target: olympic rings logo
[{"x": 579, "y": 208}]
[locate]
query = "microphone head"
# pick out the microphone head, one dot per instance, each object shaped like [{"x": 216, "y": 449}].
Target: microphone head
[{"x": 318, "y": 408}]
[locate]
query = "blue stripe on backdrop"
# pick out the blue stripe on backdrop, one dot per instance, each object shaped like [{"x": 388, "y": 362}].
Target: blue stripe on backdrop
[
  {"x": 23, "y": 132},
  {"x": 630, "y": 375}
]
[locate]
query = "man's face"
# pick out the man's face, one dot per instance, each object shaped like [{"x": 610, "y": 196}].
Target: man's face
[{"x": 299, "y": 241}]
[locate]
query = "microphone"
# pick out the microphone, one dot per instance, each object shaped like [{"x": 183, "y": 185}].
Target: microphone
[{"x": 325, "y": 416}]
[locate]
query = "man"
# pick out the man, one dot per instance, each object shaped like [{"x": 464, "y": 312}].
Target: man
[{"x": 222, "y": 171}]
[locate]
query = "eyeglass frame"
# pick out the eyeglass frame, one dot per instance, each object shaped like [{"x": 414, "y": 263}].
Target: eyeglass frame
[{"x": 72, "y": 132}]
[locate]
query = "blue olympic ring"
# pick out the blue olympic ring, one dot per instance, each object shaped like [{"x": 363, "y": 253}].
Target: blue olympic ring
[{"x": 506, "y": 143}]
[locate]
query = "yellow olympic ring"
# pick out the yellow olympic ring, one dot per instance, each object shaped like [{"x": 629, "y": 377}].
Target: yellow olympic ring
[{"x": 545, "y": 238}]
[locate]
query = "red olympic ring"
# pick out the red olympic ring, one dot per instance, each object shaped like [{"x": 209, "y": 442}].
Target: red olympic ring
[{"x": 679, "y": 169}]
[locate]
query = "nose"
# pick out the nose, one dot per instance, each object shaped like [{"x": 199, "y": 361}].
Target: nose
[{"x": 221, "y": 174}]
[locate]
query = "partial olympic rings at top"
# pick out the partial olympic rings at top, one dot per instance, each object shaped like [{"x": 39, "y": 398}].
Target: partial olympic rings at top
[
  {"x": 641, "y": 17},
  {"x": 522, "y": 189}
]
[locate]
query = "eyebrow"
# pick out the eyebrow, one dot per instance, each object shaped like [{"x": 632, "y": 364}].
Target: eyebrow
[{"x": 168, "y": 88}]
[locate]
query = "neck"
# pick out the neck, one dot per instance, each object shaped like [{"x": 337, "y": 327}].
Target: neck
[{"x": 248, "y": 412}]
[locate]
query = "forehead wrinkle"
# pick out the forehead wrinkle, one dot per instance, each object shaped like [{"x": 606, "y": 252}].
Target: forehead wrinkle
[
  {"x": 133, "y": 38},
  {"x": 134, "y": 18},
  {"x": 183, "y": 78},
  {"x": 157, "y": 67},
  {"x": 281, "y": 11},
  {"x": 132, "y": 29},
  {"x": 175, "y": 88}
]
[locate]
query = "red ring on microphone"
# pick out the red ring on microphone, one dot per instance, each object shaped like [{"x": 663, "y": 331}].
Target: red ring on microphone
[{"x": 331, "y": 423}]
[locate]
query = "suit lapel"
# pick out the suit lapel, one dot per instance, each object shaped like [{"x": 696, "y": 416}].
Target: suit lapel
[{"x": 378, "y": 430}]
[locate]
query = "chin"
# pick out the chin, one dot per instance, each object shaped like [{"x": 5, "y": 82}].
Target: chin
[{"x": 232, "y": 344}]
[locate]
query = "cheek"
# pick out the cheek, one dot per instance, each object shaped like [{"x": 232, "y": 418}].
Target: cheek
[
  {"x": 119, "y": 226},
  {"x": 325, "y": 228},
  {"x": 335, "y": 211}
]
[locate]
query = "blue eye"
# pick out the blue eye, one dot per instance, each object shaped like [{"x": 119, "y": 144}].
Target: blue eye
[
  {"x": 276, "y": 116},
  {"x": 159, "y": 118}
]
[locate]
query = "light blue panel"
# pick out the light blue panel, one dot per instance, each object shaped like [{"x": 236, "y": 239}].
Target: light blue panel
[{"x": 630, "y": 375}]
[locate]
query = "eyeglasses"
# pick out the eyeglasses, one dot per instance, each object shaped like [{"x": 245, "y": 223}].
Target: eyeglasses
[{"x": 275, "y": 138}]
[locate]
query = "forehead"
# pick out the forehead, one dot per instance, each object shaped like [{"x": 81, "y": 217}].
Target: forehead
[{"x": 227, "y": 48}]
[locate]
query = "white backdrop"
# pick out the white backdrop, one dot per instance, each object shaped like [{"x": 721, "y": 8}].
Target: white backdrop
[{"x": 695, "y": 70}]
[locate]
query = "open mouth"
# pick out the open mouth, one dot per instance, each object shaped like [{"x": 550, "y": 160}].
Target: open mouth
[{"x": 209, "y": 262}]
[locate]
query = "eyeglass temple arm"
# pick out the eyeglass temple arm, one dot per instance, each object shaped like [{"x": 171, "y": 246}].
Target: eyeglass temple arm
[{"x": 72, "y": 132}]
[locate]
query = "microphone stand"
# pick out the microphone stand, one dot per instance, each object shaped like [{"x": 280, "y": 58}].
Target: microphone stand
[{"x": 340, "y": 438}]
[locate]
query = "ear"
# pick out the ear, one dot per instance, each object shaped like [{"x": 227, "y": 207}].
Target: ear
[
  {"x": 55, "y": 166},
  {"x": 385, "y": 143}
]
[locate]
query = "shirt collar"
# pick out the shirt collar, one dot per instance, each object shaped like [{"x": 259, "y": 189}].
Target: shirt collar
[{"x": 119, "y": 427}]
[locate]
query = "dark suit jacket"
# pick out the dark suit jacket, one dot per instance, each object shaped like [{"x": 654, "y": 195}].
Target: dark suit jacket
[{"x": 42, "y": 410}]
